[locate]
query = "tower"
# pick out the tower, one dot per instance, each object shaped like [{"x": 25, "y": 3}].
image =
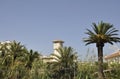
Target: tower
[{"x": 56, "y": 45}]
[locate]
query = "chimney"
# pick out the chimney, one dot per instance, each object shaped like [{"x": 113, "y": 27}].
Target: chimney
[{"x": 56, "y": 45}]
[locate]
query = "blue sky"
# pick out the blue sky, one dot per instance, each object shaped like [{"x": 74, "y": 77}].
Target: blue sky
[{"x": 36, "y": 23}]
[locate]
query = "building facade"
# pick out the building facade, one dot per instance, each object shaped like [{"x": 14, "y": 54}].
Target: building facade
[
  {"x": 56, "y": 45},
  {"x": 113, "y": 58}
]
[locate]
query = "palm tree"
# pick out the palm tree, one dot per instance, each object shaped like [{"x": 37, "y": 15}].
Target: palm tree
[
  {"x": 32, "y": 55},
  {"x": 65, "y": 65},
  {"x": 16, "y": 61},
  {"x": 12, "y": 54},
  {"x": 16, "y": 51},
  {"x": 101, "y": 34}
]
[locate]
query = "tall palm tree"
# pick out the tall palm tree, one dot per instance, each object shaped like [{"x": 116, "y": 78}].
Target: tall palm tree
[
  {"x": 101, "y": 34},
  {"x": 65, "y": 64}
]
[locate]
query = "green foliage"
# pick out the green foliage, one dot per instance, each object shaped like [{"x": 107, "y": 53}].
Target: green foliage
[
  {"x": 114, "y": 72},
  {"x": 65, "y": 65},
  {"x": 14, "y": 60},
  {"x": 86, "y": 70},
  {"x": 19, "y": 63}
]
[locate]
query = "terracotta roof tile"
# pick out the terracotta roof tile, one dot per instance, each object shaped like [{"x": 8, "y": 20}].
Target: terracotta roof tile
[{"x": 116, "y": 54}]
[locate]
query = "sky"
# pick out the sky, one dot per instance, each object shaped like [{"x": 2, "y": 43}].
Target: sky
[{"x": 36, "y": 23}]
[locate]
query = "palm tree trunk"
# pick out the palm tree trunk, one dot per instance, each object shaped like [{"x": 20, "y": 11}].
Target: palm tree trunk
[{"x": 100, "y": 61}]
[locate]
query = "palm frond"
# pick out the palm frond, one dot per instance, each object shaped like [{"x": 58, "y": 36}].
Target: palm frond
[
  {"x": 89, "y": 32},
  {"x": 95, "y": 28},
  {"x": 102, "y": 33},
  {"x": 111, "y": 31}
]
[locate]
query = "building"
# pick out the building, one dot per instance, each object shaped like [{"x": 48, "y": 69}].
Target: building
[
  {"x": 56, "y": 45},
  {"x": 113, "y": 58},
  {"x": 7, "y": 43}
]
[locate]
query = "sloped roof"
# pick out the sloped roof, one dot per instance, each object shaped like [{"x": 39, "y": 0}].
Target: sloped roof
[{"x": 115, "y": 54}]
